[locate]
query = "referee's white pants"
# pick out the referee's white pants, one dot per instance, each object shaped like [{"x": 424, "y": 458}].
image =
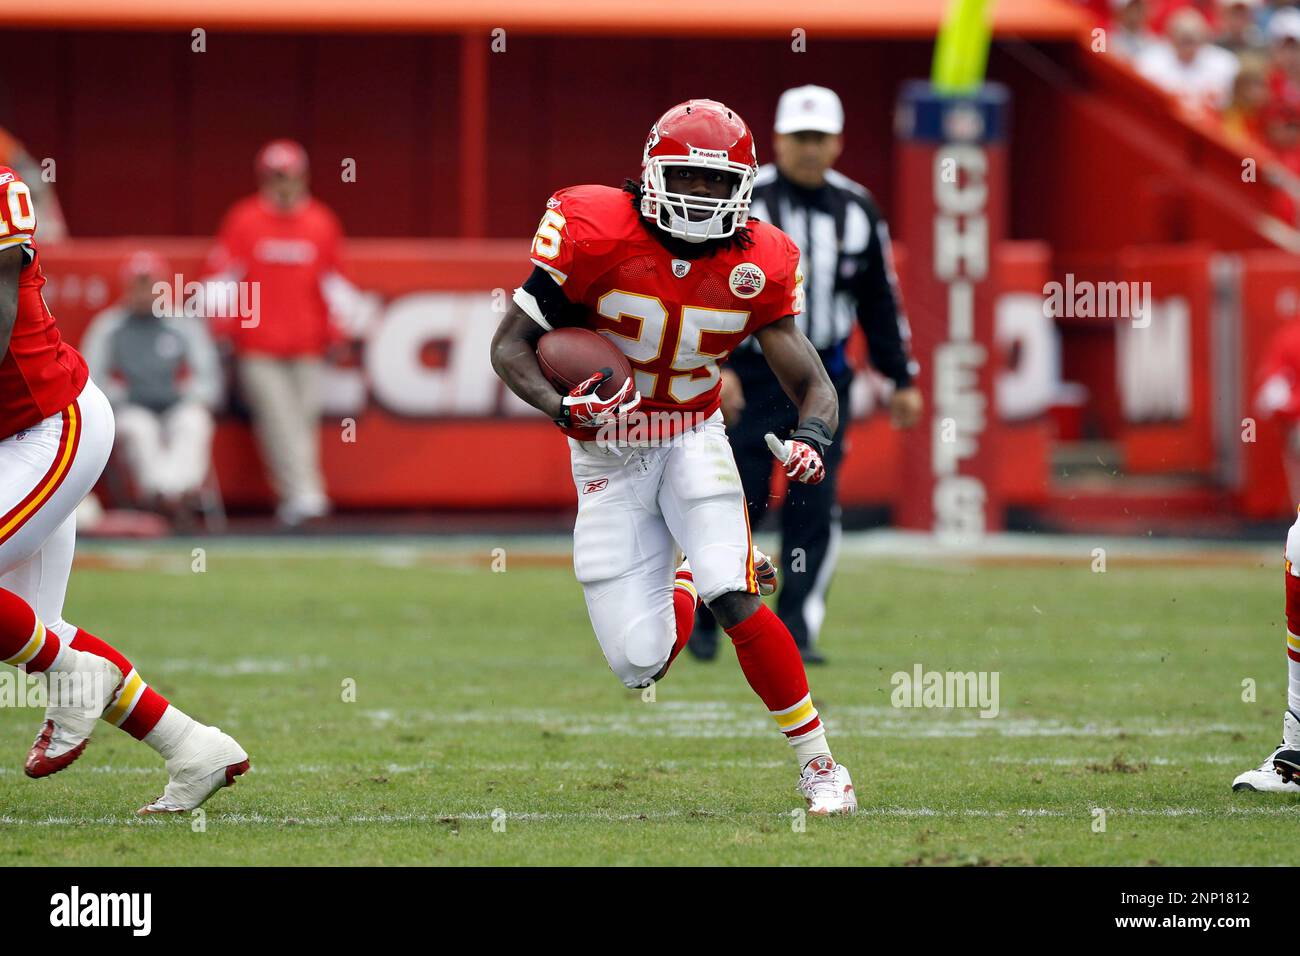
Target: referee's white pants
[{"x": 45, "y": 471}]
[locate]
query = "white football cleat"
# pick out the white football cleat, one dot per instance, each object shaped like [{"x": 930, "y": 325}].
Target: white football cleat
[
  {"x": 208, "y": 760},
  {"x": 79, "y": 694},
  {"x": 765, "y": 572},
  {"x": 827, "y": 788},
  {"x": 1277, "y": 774}
]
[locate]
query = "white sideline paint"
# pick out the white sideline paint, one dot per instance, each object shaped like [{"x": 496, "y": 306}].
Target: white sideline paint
[
  {"x": 415, "y": 551},
  {"x": 240, "y": 667}
]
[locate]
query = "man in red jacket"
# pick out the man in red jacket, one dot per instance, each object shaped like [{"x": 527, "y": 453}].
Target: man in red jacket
[
  {"x": 1278, "y": 396},
  {"x": 282, "y": 245}
]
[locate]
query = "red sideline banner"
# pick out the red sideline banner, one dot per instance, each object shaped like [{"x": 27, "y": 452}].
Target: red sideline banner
[
  {"x": 1164, "y": 360},
  {"x": 419, "y": 384}
]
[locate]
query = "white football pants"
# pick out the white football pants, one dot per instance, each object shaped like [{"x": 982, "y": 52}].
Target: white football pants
[
  {"x": 633, "y": 503},
  {"x": 45, "y": 471}
]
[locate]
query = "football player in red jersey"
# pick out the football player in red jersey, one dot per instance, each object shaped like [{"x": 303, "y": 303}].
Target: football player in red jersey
[
  {"x": 56, "y": 432},
  {"x": 675, "y": 273}
]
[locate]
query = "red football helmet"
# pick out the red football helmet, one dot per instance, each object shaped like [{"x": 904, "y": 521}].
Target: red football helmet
[{"x": 698, "y": 133}]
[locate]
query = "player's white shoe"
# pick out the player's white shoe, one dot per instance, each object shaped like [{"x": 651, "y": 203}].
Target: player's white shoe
[
  {"x": 1279, "y": 773},
  {"x": 765, "y": 572},
  {"x": 827, "y": 788},
  {"x": 208, "y": 760},
  {"x": 79, "y": 695}
]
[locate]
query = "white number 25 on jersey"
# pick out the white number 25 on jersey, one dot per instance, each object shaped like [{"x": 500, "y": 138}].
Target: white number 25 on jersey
[{"x": 645, "y": 341}]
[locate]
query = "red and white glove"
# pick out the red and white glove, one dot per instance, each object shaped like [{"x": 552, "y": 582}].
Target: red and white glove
[
  {"x": 585, "y": 409},
  {"x": 802, "y": 462}
]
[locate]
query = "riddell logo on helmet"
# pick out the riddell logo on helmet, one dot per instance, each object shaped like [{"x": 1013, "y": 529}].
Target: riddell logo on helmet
[
  {"x": 697, "y": 153},
  {"x": 747, "y": 280}
]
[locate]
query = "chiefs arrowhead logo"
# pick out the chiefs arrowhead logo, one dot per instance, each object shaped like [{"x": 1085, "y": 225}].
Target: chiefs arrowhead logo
[
  {"x": 593, "y": 486},
  {"x": 651, "y": 142}
]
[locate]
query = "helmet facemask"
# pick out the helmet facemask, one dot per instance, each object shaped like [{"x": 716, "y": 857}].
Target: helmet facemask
[{"x": 671, "y": 211}]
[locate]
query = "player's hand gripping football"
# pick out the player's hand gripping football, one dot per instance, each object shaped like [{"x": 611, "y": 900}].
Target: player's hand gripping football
[
  {"x": 586, "y": 409},
  {"x": 801, "y": 461}
]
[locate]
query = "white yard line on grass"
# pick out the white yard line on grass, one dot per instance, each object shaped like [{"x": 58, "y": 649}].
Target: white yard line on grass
[
  {"x": 720, "y": 719},
  {"x": 703, "y": 763},
  {"x": 218, "y": 818}
]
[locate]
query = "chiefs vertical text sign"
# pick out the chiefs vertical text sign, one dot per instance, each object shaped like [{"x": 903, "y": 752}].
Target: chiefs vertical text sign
[{"x": 952, "y": 212}]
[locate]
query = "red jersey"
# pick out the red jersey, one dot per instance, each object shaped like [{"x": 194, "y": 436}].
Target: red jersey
[
  {"x": 1279, "y": 376},
  {"x": 40, "y": 374},
  {"x": 674, "y": 319},
  {"x": 287, "y": 253}
]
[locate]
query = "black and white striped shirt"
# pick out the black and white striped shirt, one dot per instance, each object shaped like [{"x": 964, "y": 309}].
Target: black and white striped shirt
[{"x": 848, "y": 269}]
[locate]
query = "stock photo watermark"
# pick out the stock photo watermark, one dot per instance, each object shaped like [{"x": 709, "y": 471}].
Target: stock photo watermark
[
  {"x": 84, "y": 692},
  {"x": 947, "y": 690},
  {"x": 212, "y": 299}
]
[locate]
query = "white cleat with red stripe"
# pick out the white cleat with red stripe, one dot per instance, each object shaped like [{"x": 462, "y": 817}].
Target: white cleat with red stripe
[
  {"x": 206, "y": 761},
  {"x": 827, "y": 788},
  {"x": 79, "y": 691}
]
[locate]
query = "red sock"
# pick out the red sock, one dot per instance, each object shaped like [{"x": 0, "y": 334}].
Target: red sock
[
  {"x": 685, "y": 601},
  {"x": 137, "y": 708},
  {"x": 24, "y": 641},
  {"x": 772, "y": 665}
]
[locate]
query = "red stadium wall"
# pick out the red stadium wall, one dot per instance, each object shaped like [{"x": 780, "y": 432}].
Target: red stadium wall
[
  {"x": 167, "y": 145},
  {"x": 419, "y": 383}
]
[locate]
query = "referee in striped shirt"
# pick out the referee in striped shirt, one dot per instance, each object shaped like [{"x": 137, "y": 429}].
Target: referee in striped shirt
[{"x": 848, "y": 276}]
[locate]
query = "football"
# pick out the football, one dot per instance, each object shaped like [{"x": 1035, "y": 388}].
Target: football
[{"x": 569, "y": 356}]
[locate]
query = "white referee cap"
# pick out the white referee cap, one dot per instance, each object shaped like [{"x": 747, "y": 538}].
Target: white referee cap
[{"x": 812, "y": 108}]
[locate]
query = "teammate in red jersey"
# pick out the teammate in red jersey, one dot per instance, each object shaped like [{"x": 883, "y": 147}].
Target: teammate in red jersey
[
  {"x": 56, "y": 432},
  {"x": 672, "y": 270},
  {"x": 1280, "y": 771}
]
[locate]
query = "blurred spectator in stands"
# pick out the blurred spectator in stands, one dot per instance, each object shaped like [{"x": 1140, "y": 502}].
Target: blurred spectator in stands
[
  {"x": 1130, "y": 36},
  {"x": 1284, "y": 34},
  {"x": 285, "y": 244},
  {"x": 36, "y": 175},
  {"x": 1238, "y": 32},
  {"x": 1188, "y": 66},
  {"x": 1264, "y": 13},
  {"x": 1164, "y": 10},
  {"x": 1244, "y": 117},
  {"x": 1281, "y": 123},
  {"x": 162, "y": 375}
]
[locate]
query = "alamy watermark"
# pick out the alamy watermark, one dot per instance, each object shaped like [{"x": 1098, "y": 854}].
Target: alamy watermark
[
  {"x": 85, "y": 692},
  {"x": 651, "y": 429},
  {"x": 946, "y": 690},
  {"x": 224, "y": 299},
  {"x": 1098, "y": 300}
]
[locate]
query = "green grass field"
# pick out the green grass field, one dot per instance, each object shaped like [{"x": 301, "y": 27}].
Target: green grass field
[{"x": 482, "y": 698}]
